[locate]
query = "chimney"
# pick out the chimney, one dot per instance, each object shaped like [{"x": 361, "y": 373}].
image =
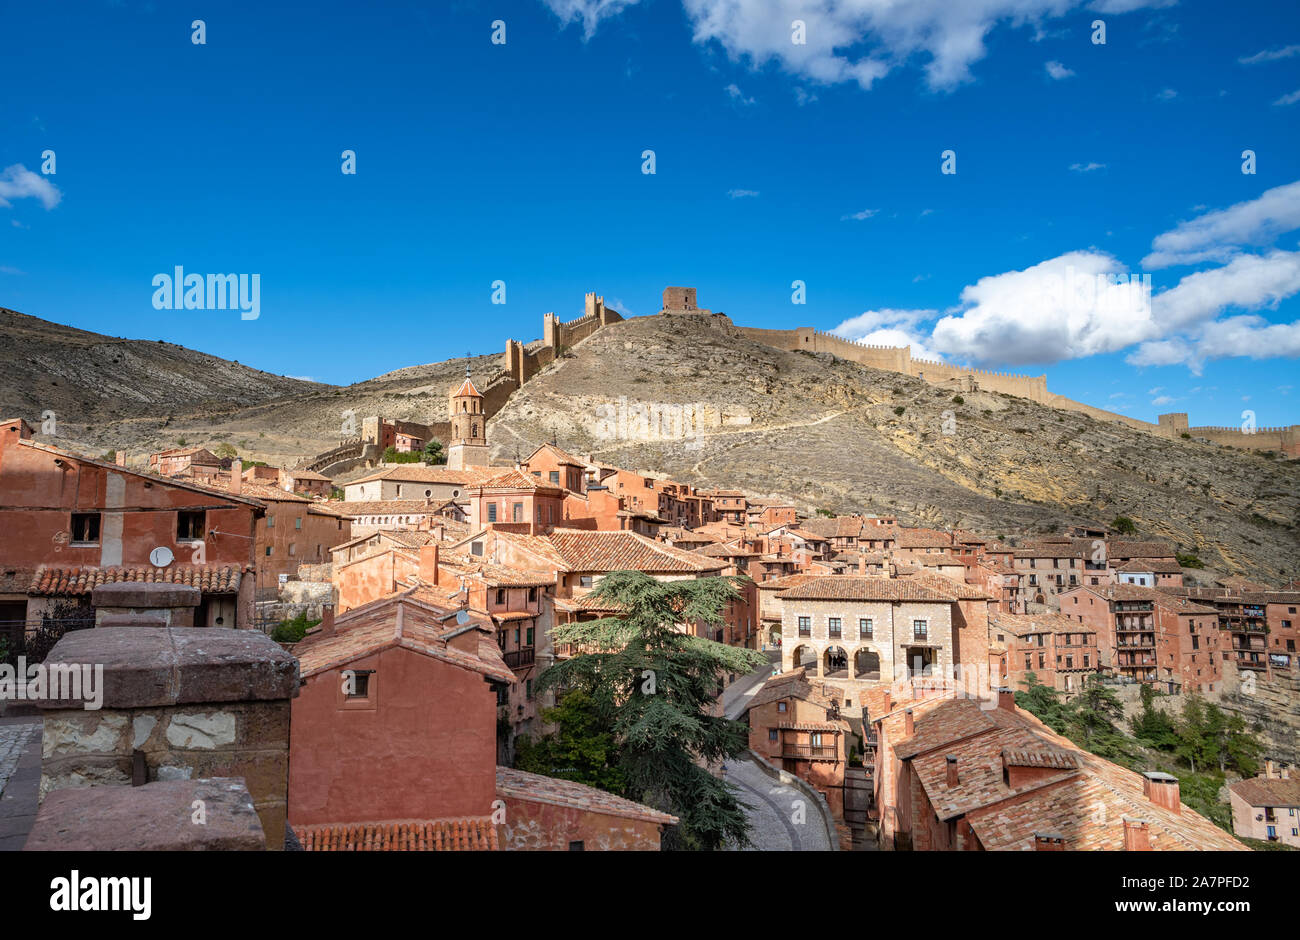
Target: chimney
[
  {"x": 1137, "y": 836},
  {"x": 1270, "y": 771},
  {"x": 889, "y": 702},
  {"x": 909, "y": 723},
  {"x": 1162, "y": 790},
  {"x": 1048, "y": 842},
  {"x": 429, "y": 563},
  {"x": 951, "y": 762},
  {"x": 862, "y": 563},
  {"x": 119, "y": 458},
  {"x": 237, "y": 476},
  {"x": 1007, "y": 699},
  {"x": 327, "y": 620}
]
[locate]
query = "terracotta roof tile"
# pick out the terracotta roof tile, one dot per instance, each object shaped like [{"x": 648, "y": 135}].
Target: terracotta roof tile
[
  {"x": 584, "y": 550},
  {"x": 840, "y": 587},
  {"x": 521, "y": 785},
  {"x": 210, "y": 579},
  {"x": 467, "y": 834},
  {"x": 1265, "y": 791}
]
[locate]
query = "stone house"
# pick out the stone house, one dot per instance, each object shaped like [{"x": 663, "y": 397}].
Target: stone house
[{"x": 1267, "y": 807}]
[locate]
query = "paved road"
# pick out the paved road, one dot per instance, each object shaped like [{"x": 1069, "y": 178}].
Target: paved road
[
  {"x": 781, "y": 817},
  {"x": 20, "y": 777}
]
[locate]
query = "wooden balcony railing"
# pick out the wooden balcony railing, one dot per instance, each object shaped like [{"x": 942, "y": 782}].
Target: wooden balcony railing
[{"x": 809, "y": 751}]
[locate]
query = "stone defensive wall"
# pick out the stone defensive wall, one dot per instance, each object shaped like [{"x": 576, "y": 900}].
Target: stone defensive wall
[{"x": 1284, "y": 440}]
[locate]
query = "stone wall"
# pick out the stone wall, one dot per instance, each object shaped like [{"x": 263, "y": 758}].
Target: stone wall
[
  {"x": 178, "y": 703},
  {"x": 536, "y": 826}
]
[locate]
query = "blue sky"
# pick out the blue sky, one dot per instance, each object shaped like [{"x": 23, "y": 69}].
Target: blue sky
[{"x": 775, "y": 162}]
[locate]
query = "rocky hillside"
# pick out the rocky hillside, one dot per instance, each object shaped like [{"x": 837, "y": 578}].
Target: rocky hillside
[
  {"x": 831, "y": 434},
  {"x": 87, "y": 378}
]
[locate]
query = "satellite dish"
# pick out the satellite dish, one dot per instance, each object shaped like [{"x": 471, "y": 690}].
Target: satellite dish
[
  {"x": 161, "y": 556},
  {"x": 462, "y": 617}
]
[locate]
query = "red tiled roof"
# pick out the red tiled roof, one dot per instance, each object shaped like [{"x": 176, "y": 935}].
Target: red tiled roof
[
  {"x": 1266, "y": 791},
  {"x": 466, "y": 389},
  {"x": 535, "y": 788},
  {"x": 468, "y": 834},
  {"x": 584, "y": 550},
  {"x": 210, "y": 579},
  {"x": 840, "y": 587},
  {"x": 423, "y": 628}
]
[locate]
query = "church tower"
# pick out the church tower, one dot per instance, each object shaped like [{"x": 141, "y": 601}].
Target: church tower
[{"x": 468, "y": 447}]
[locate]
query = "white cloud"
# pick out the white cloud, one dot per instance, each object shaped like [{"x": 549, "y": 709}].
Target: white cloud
[
  {"x": 803, "y": 97},
  {"x": 855, "y": 40},
  {"x": 587, "y": 12},
  {"x": 1057, "y": 70},
  {"x": 1248, "y": 282},
  {"x": 1215, "y": 236},
  {"x": 1166, "y": 94},
  {"x": 1288, "y": 99},
  {"x": 890, "y": 327},
  {"x": 859, "y": 216},
  {"x": 733, "y": 90},
  {"x": 1163, "y": 400},
  {"x": 1064, "y": 308},
  {"x": 18, "y": 182},
  {"x": 6, "y": 269},
  {"x": 1270, "y": 55},
  {"x": 742, "y": 193},
  {"x": 1087, "y": 167}
]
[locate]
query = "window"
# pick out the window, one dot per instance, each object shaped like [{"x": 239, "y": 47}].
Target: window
[
  {"x": 359, "y": 686},
  {"x": 780, "y": 706},
  {"x": 501, "y": 596},
  {"x": 833, "y": 626},
  {"x": 293, "y": 549},
  {"x": 805, "y": 626},
  {"x": 270, "y": 520},
  {"x": 492, "y": 512},
  {"x": 576, "y": 847},
  {"x": 297, "y": 523},
  {"x": 554, "y": 476},
  {"x": 268, "y": 551},
  {"x": 528, "y": 689},
  {"x": 532, "y": 594},
  {"x": 189, "y": 525},
  {"x": 530, "y": 634},
  {"x": 1085, "y": 661},
  {"x": 517, "y": 512},
  {"x": 771, "y": 734},
  {"x": 85, "y": 528},
  {"x": 865, "y": 628},
  {"x": 920, "y": 629}
]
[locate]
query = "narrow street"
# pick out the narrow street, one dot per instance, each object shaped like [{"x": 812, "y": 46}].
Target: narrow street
[{"x": 781, "y": 817}]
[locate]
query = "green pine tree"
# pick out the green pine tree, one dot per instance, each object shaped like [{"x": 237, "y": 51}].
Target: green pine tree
[
  {"x": 1095, "y": 711},
  {"x": 655, "y": 688},
  {"x": 580, "y": 750}
]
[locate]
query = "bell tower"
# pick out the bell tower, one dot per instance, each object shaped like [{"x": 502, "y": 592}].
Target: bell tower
[{"x": 468, "y": 446}]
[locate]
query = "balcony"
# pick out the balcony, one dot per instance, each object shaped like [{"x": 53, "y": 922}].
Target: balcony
[
  {"x": 518, "y": 659},
  {"x": 809, "y": 751}
]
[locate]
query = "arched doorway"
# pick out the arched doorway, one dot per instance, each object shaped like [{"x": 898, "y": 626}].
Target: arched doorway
[
  {"x": 866, "y": 664},
  {"x": 836, "y": 663},
  {"x": 805, "y": 656}
]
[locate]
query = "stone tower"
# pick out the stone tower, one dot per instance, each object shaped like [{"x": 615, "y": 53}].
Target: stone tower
[{"x": 468, "y": 447}]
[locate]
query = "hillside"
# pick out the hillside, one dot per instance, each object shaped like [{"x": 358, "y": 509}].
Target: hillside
[{"x": 824, "y": 433}]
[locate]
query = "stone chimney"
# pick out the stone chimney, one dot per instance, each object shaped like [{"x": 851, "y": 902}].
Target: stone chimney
[
  {"x": 236, "y": 476},
  {"x": 327, "y": 620},
  {"x": 862, "y": 563},
  {"x": 1049, "y": 842},
  {"x": 1137, "y": 835},
  {"x": 909, "y": 723},
  {"x": 1270, "y": 770},
  {"x": 1007, "y": 699},
  {"x": 429, "y": 563},
  {"x": 1162, "y": 790},
  {"x": 119, "y": 457},
  {"x": 951, "y": 763}
]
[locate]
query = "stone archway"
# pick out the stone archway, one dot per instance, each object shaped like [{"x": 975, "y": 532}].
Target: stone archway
[
  {"x": 866, "y": 664},
  {"x": 804, "y": 656},
  {"x": 835, "y": 663}
]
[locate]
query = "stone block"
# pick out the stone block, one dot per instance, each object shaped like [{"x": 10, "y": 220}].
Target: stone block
[
  {"x": 161, "y": 816},
  {"x": 140, "y": 595}
]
